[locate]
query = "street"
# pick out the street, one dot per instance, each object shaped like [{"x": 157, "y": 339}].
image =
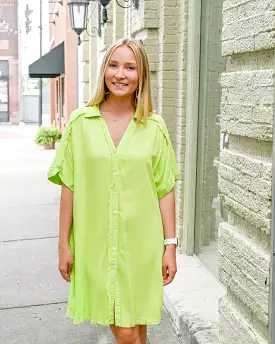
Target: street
[{"x": 32, "y": 294}]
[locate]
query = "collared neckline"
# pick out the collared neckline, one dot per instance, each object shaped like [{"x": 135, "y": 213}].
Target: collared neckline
[{"x": 93, "y": 111}]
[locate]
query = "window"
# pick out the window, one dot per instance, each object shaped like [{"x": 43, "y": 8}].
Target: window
[
  {"x": 57, "y": 95},
  {"x": 62, "y": 97},
  {"x": 209, "y": 212}
]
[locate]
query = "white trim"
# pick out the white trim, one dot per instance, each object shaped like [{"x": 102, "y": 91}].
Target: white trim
[
  {"x": 52, "y": 41},
  {"x": 53, "y": 7}
]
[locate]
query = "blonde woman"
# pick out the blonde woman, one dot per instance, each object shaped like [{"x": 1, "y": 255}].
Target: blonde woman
[{"x": 117, "y": 169}]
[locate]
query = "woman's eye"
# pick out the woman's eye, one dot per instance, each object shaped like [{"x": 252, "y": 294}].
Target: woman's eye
[
  {"x": 112, "y": 65},
  {"x": 131, "y": 68}
]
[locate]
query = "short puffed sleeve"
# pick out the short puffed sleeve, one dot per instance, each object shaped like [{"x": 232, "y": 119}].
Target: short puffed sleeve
[
  {"x": 62, "y": 168},
  {"x": 165, "y": 168}
]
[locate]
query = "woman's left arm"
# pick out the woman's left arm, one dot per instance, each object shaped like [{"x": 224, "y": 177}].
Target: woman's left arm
[{"x": 167, "y": 209}]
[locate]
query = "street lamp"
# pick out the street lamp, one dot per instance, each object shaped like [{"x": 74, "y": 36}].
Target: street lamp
[
  {"x": 78, "y": 16},
  {"x": 79, "y": 11}
]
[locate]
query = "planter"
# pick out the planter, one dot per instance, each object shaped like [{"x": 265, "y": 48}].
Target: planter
[
  {"x": 47, "y": 137},
  {"x": 49, "y": 146}
]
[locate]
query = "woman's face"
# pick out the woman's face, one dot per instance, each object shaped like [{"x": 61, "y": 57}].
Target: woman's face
[{"x": 121, "y": 75}]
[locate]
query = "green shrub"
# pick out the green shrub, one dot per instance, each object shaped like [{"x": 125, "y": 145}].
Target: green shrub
[{"x": 47, "y": 135}]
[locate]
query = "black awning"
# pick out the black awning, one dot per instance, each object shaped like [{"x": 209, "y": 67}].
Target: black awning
[{"x": 49, "y": 65}]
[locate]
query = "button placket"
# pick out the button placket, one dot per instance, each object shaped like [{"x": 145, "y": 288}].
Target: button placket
[{"x": 115, "y": 221}]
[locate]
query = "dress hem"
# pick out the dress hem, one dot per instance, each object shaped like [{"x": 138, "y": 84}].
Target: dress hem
[{"x": 107, "y": 323}]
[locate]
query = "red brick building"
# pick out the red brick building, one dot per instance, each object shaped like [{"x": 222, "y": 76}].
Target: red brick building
[
  {"x": 64, "y": 87},
  {"x": 9, "y": 64},
  {"x": 59, "y": 63}
]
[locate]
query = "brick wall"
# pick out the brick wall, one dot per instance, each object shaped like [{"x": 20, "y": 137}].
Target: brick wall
[{"x": 245, "y": 170}]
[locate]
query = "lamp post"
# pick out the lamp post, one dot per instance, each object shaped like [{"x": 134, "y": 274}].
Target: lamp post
[
  {"x": 79, "y": 11},
  {"x": 78, "y": 15}
]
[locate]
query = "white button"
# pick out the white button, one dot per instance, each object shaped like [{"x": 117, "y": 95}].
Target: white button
[
  {"x": 115, "y": 193},
  {"x": 115, "y": 212},
  {"x": 114, "y": 266},
  {"x": 114, "y": 248},
  {"x": 115, "y": 230},
  {"x": 115, "y": 173}
]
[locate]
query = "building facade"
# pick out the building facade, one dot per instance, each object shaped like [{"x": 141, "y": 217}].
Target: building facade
[
  {"x": 59, "y": 64},
  {"x": 9, "y": 62},
  {"x": 63, "y": 87},
  {"x": 212, "y": 73}
]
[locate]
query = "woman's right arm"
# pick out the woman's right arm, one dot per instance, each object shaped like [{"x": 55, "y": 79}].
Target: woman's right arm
[{"x": 65, "y": 222}]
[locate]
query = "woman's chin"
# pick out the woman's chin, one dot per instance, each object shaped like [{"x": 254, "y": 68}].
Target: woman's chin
[{"x": 121, "y": 94}]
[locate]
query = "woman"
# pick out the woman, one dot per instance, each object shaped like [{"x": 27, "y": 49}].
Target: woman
[{"x": 117, "y": 169}]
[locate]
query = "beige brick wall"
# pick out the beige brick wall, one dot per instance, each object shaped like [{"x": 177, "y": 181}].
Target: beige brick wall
[{"x": 245, "y": 172}]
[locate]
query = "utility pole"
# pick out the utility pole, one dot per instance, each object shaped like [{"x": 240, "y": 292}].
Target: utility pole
[{"x": 40, "y": 80}]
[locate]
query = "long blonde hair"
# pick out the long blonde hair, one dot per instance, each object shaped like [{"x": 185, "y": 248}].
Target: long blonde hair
[{"x": 142, "y": 97}]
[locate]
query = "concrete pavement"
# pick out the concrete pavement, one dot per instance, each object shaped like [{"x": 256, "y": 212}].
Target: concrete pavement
[{"x": 32, "y": 294}]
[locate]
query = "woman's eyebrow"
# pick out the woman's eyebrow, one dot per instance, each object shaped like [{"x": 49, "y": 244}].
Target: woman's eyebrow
[{"x": 129, "y": 62}]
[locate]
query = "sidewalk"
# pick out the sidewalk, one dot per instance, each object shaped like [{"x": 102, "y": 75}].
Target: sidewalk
[{"x": 33, "y": 295}]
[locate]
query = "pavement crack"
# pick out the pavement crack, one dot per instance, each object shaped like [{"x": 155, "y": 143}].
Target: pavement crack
[
  {"x": 29, "y": 239},
  {"x": 35, "y": 305}
]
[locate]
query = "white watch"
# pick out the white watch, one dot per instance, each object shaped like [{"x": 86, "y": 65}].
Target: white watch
[{"x": 173, "y": 241}]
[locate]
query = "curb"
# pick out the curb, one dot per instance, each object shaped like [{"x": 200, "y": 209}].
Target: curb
[{"x": 191, "y": 302}]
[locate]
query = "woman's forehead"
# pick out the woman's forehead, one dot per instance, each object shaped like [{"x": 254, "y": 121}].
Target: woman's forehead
[{"x": 123, "y": 53}]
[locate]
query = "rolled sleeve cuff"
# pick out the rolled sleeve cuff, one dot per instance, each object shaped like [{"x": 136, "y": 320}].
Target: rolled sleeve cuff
[
  {"x": 169, "y": 185},
  {"x": 57, "y": 176}
]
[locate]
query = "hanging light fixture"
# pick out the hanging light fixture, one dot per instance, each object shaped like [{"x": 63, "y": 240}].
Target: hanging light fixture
[
  {"x": 130, "y": 3},
  {"x": 78, "y": 15},
  {"x": 79, "y": 12},
  {"x": 104, "y": 3}
]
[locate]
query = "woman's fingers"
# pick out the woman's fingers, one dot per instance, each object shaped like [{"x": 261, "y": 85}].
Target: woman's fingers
[
  {"x": 64, "y": 270},
  {"x": 66, "y": 264},
  {"x": 164, "y": 272},
  {"x": 170, "y": 275}
]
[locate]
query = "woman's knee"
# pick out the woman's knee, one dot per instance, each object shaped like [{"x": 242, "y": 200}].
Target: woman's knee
[{"x": 128, "y": 335}]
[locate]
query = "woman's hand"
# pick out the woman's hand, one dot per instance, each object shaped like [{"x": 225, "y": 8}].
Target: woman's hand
[
  {"x": 65, "y": 264},
  {"x": 169, "y": 264}
]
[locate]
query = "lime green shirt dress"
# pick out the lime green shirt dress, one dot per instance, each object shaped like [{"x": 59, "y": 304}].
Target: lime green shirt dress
[{"x": 117, "y": 233}]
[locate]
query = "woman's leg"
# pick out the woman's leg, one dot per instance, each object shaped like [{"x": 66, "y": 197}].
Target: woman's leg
[
  {"x": 124, "y": 335},
  {"x": 143, "y": 334}
]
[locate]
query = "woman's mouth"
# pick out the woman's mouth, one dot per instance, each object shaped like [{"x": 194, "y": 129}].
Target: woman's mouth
[{"x": 119, "y": 84}]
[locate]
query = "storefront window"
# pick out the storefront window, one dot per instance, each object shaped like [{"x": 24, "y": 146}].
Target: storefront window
[{"x": 210, "y": 140}]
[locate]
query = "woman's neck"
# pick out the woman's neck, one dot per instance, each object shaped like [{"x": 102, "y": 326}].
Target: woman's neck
[{"x": 119, "y": 105}]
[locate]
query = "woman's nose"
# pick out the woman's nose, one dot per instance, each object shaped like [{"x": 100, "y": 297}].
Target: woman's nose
[{"x": 120, "y": 73}]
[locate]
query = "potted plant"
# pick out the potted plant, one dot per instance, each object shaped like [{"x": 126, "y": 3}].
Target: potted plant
[{"x": 47, "y": 136}]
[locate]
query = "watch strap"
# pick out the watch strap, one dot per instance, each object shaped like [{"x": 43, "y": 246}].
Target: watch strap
[{"x": 173, "y": 241}]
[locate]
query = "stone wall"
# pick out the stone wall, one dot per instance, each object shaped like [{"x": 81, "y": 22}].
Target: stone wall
[{"x": 245, "y": 170}]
